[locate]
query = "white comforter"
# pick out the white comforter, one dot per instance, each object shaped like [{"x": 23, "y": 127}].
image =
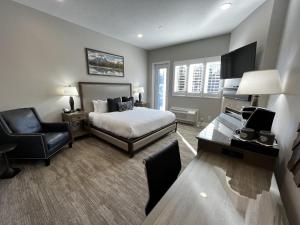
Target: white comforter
[{"x": 133, "y": 123}]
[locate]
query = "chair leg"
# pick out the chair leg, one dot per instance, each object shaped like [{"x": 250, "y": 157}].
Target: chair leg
[
  {"x": 70, "y": 145},
  {"x": 47, "y": 162}
]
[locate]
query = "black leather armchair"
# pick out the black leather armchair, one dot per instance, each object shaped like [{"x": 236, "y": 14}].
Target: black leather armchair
[{"x": 35, "y": 139}]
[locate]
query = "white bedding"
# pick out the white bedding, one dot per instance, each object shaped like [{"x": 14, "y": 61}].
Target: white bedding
[{"x": 132, "y": 123}]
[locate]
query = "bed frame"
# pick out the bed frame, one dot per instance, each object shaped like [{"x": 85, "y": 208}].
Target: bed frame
[{"x": 89, "y": 91}]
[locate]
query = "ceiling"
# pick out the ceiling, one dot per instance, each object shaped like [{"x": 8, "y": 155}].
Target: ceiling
[{"x": 162, "y": 22}]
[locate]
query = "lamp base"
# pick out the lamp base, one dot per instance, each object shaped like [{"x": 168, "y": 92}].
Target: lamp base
[
  {"x": 254, "y": 100},
  {"x": 71, "y": 102},
  {"x": 140, "y": 97}
]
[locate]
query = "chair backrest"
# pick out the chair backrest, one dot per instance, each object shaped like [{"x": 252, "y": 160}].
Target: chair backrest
[
  {"x": 162, "y": 170},
  {"x": 22, "y": 121}
]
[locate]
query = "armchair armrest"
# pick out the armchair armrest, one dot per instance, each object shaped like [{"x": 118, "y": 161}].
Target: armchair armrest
[
  {"x": 55, "y": 127},
  {"x": 29, "y": 145}
]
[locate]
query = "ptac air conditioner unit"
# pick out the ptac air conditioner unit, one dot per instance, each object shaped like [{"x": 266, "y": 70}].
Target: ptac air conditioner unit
[{"x": 185, "y": 115}]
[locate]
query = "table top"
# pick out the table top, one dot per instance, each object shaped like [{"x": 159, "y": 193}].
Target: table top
[
  {"x": 75, "y": 113},
  {"x": 221, "y": 129},
  {"x": 7, "y": 148},
  {"x": 217, "y": 190}
]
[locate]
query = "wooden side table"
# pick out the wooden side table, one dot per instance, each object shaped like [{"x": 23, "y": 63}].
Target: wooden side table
[
  {"x": 9, "y": 171},
  {"x": 141, "y": 104},
  {"x": 78, "y": 122}
]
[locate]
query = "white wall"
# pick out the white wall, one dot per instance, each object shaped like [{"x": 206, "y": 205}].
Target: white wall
[
  {"x": 287, "y": 107},
  {"x": 208, "y": 107},
  {"x": 40, "y": 53}
]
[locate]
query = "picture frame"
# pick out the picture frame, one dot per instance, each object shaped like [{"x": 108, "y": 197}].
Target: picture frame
[{"x": 104, "y": 64}]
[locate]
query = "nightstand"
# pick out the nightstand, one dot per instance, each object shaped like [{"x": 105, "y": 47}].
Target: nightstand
[
  {"x": 141, "y": 104},
  {"x": 78, "y": 122}
]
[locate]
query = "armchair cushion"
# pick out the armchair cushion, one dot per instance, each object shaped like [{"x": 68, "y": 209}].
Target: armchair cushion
[
  {"x": 22, "y": 121},
  {"x": 55, "y": 127},
  {"x": 56, "y": 139}
]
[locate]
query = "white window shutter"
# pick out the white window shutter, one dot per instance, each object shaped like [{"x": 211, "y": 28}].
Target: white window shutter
[
  {"x": 180, "y": 79},
  {"x": 196, "y": 78},
  {"x": 212, "y": 78}
]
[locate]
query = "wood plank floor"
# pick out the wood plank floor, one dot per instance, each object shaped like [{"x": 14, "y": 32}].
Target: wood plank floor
[{"x": 92, "y": 183}]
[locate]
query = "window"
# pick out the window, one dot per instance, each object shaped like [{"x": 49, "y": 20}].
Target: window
[{"x": 199, "y": 77}]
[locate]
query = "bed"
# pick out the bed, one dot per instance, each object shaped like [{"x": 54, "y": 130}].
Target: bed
[{"x": 130, "y": 130}]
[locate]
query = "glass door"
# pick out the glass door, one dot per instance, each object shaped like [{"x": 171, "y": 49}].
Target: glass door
[{"x": 160, "y": 86}]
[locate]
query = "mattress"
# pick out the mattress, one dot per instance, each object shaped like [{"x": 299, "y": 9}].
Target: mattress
[{"x": 132, "y": 123}]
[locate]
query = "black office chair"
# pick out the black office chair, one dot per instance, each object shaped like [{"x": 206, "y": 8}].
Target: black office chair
[{"x": 162, "y": 170}]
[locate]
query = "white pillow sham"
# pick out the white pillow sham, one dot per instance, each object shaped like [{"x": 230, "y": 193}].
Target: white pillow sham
[{"x": 100, "y": 106}]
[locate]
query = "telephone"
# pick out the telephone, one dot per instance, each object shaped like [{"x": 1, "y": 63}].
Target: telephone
[
  {"x": 260, "y": 119},
  {"x": 65, "y": 110},
  {"x": 258, "y": 125}
]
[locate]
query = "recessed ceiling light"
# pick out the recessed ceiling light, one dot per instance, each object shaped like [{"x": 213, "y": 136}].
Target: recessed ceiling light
[
  {"x": 140, "y": 35},
  {"x": 226, "y": 5},
  {"x": 203, "y": 194}
]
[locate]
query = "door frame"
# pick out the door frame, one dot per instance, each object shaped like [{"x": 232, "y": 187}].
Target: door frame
[{"x": 153, "y": 83}]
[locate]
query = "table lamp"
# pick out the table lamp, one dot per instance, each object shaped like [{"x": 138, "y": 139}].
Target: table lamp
[
  {"x": 140, "y": 91},
  {"x": 261, "y": 82},
  {"x": 70, "y": 91}
]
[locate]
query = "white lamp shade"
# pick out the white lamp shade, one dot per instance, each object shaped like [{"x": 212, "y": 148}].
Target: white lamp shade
[
  {"x": 141, "y": 90},
  {"x": 263, "y": 82},
  {"x": 138, "y": 90},
  {"x": 70, "y": 91}
]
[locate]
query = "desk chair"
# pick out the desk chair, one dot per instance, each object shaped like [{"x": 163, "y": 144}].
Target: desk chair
[{"x": 162, "y": 169}]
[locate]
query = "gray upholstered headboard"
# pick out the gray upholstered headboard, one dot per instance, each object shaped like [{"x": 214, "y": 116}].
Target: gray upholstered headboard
[{"x": 89, "y": 91}]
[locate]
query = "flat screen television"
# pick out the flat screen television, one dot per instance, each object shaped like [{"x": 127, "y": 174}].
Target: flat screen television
[{"x": 239, "y": 61}]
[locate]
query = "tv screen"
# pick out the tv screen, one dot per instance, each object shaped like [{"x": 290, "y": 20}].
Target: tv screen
[{"x": 237, "y": 62}]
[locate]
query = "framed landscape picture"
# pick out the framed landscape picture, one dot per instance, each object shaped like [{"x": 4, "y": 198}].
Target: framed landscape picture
[{"x": 104, "y": 64}]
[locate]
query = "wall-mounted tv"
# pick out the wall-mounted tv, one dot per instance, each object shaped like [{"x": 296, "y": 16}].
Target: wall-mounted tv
[{"x": 239, "y": 61}]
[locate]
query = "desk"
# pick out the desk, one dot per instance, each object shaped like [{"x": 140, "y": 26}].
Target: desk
[
  {"x": 217, "y": 136},
  {"x": 218, "y": 190}
]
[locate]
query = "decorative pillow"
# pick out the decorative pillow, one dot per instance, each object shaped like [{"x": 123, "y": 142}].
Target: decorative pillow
[
  {"x": 100, "y": 106},
  {"x": 127, "y": 99},
  {"x": 123, "y": 106},
  {"x": 113, "y": 104}
]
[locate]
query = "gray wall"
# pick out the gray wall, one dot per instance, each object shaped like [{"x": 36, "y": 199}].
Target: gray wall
[
  {"x": 287, "y": 107},
  {"x": 40, "y": 53},
  {"x": 208, "y": 107},
  {"x": 254, "y": 28},
  {"x": 265, "y": 25}
]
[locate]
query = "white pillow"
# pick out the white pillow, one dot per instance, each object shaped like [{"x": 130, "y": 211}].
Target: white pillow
[{"x": 100, "y": 106}]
